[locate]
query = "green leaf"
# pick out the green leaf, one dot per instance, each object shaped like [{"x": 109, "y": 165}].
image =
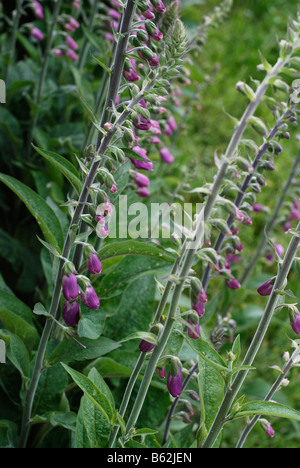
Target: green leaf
[
  {"x": 17, "y": 318},
  {"x": 70, "y": 351},
  {"x": 64, "y": 166},
  {"x": 17, "y": 353},
  {"x": 132, "y": 154},
  {"x": 267, "y": 408},
  {"x": 102, "y": 65},
  {"x": 207, "y": 353},
  {"x": 128, "y": 270},
  {"x": 45, "y": 216},
  {"x": 133, "y": 247},
  {"x": 100, "y": 400},
  {"x": 150, "y": 337}
]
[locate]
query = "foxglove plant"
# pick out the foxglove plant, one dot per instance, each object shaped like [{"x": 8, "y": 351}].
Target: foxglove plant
[{"x": 135, "y": 118}]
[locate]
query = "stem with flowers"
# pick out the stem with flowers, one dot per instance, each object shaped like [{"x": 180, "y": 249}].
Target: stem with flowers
[{"x": 279, "y": 286}]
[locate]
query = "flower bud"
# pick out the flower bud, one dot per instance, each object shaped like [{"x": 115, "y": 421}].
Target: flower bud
[
  {"x": 193, "y": 330},
  {"x": 90, "y": 299},
  {"x": 258, "y": 125},
  {"x": 70, "y": 286},
  {"x": 93, "y": 263},
  {"x": 267, "y": 427},
  {"x": 266, "y": 288},
  {"x": 245, "y": 90},
  {"x": 161, "y": 372},
  {"x": 71, "y": 313},
  {"x": 295, "y": 319},
  {"x": 198, "y": 290},
  {"x": 174, "y": 380}
]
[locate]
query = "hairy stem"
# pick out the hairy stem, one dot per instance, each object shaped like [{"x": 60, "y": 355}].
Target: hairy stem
[
  {"x": 256, "y": 342},
  {"x": 54, "y": 307},
  {"x": 286, "y": 369},
  {"x": 43, "y": 73}
]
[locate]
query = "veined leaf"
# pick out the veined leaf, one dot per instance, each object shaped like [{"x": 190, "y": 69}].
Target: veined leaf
[
  {"x": 64, "y": 166},
  {"x": 100, "y": 400},
  {"x": 45, "y": 216},
  {"x": 267, "y": 408}
]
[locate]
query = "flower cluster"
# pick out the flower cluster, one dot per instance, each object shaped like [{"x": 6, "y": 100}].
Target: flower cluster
[
  {"x": 78, "y": 288},
  {"x": 151, "y": 119}
]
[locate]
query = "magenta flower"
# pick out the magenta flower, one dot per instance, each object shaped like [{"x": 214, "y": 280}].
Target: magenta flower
[
  {"x": 174, "y": 379},
  {"x": 145, "y": 346},
  {"x": 159, "y": 6},
  {"x": 71, "y": 314},
  {"x": 266, "y": 288},
  {"x": 267, "y": 427},
  {"x": 143, "y": 165},
  {"x": 295, "y": 322},
  {"x": 233, "y": 283},
  {"x": 143, "y": 124},
  {"x": 143, "y": 192},
  {"x": 38, "y": 9},
  {"x": 70, "y": 287},
  {"x": 94, "y": 265},
  {"x": 161, "y": 372},
  {"x": 71, "y": 54},
  {"x": 71, "y": 43},
  {"x": 90, "y": 298},
  {"x": 199, "y": 308},
  {"x": 130, "y": 72},
  {"x": 141, "y": 180},
  {"x": 37, "y": 34},
  {"x": 166, "y": 156},
  {"x": 194, "y": 331}
]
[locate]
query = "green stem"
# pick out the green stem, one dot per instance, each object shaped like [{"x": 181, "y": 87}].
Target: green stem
[
  {"x": 12, "y": 47},
  {"x": 41, "y": 82},
  {"x": 255, "y": 344},
  {"x": 286, "y": 369},
  {"x": 85, "y": 45},
  {"x": 271, "y": 223}
]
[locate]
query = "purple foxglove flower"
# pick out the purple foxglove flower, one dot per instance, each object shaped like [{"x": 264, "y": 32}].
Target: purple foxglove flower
[
  {"x": 130, "y": 74},
  {"x": 114, "y": 14},
  {"x": 279, "y": 249},
  {"x": 266, "y": 288},
  {"x": 295, "y": 323},
  {"x": 70, "y": 287},
  {"x": 155, "y": 127},
  {"x": 143, "y": 124},
  {"x": 71, "y": 43},
  {"x": 71, "y": 313},
  {"x": 94, "y": 265},
  {"x": 143, "y": 192},
  {"x": 58, "y": 53},
  {"x": 172, "y": 123},
  {"x": 145, "y": 346},
  {"x": 74, "y": 23},
  {"x": 37, "y": 34},
  {"x": 113, "y": 188},
  {"x": 143, "y": 165},
  {"x": 199, "y": 308},
  {"x": 267, "y": 427},
  {"x": 71, "y": 54},
  {"x": 90, "y": 298},
  {"x": 166, "y": 156},
  {"x": 161, "y": 372},
  {"x": 102, "y": 230},
  {"x": 194, "y": 333},
  {"x": 141, "y": 180},
  {"x": 174, "y": 379},
  {"x": 233, "y": 283},
  {"x": 38, "y": 9},
  {"x": 154, "y": 62},
  {"x": 159, "y": 6}
]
